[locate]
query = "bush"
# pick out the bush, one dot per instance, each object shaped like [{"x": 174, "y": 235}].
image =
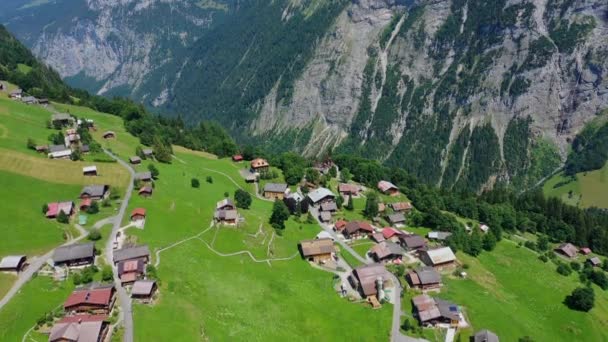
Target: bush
[
  {"x": 242, "y": 199},
  {"x": 45, "y": 208},
  {"x": 106, "y": 273},
  {"x": 31, "y": 144},
  {"x": 154, "y": 171},
  {"x": 575, "y": 266},
  {"x": 93, "y": 208},
  {"x": 62, "y": 217},
  {"x": 94, "y": 235},
  {"x": 106, "y": 203},
  {"x": 209, "y": 179},
  {"x": 581, "y": 299},
  {"x": 194, "y": 182},
  {"x": 543, "y": 258},
  {"x": 531, "y": 245},
  {"x": 564, "y": 269}
]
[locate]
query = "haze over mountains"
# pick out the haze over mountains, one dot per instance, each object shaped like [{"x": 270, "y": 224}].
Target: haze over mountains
[{"x": 460, "y": 93}]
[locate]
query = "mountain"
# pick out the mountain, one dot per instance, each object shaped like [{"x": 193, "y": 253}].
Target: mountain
[{"x": 462, "y": 93}]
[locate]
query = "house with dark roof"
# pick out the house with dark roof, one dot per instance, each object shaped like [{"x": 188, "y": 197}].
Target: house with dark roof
[
  {"x": 13, "y": 263},
  {"x": 62, "y": 119},
  {"x": 143, "y": 290},
  {"x": 387, "y": 252},
  {"x": 396, "y": 219},
  {"x": 225, "y": 204},
  {"x": 424, "y": 278},
  {"x": 413, "y": 242},
  {"x": 567, "y": 249},
  {"x": 95, "y": 192},
  {"x": 95, "y": 299},
  {"x": 275, "y": 191},
  {"x": 366, "y": 279},
  {"x": 78, "y": 254},
  {"x": 431, "y": 311},
  {"x": 80, "y": 328},
  {"x": 485, "y": 336},
  {"x": 132, "y": 253},
  {"x": 319, "y": 196},
  {"x": 357, "y": 230},
  {"x": 317, "y": 250}
]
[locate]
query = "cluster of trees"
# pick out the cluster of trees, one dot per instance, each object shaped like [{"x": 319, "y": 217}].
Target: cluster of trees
[
  {"x": 85, "y": 276},
  {"x": 242, "y": 199},
  {"x": 590, "y": 150}
]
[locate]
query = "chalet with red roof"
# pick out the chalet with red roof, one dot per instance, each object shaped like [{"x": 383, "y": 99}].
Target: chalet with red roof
[
  {"x": 259, "y": 165},
  {"x": 54, "y": 208},
  {"x": 138, "y": 214},
  {"x": 392, "y": 234},
  {"x": 237, "y": 158},
  {"x": 131, "y": 270},
  {"x": 347, "y": 190},
  {"x": 97, "y": 299},
  {"x": 388, "y": 188},
  {"x": 357, "y": 230}
]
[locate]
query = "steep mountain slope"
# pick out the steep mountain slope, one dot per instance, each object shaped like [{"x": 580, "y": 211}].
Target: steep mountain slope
[{"x": 462, "y": 93}]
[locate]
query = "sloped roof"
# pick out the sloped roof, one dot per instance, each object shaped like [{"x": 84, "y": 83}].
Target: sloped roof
[
  {"x": 95, "y": 190},
  {"x": 329, "y": 206},
  {"x": 133, "y": 265},
  {"x": 131, "y": 253},
  {"x": 396, "y": 218},
  {"x": 568, "y": 249},
  {"x": 57, "y": 148},
  {"x": 485, "y": 336},
  {"x": 389, "y": 232},
  {"x": 12, "y": 261},
  {"x": 350, "y": 188},
  {"x": 275, "y": 187},
  {"x": 93, "y": 296},
  {"x": 385, "y": 249},
  {"x": 138, "y": 211},
  {"x": 428, "y": 275},
  {"x": 225, "y": 202},
  {"x": 61, "y": 117},
  {"x": 143, "y": 175},
  {"x": 259, "y": 162},
  {"x": 386, "y": 185},
  {"x": 367, "y": 276},
  {"x": 441, "y": 255},
  {"x": 354, "y": 226},
  {"x": 438, "y": 235},
  {"x": 75, "y": 331},
  {"x": 325, "y": 216},
  {"x": 92, "y": 168},
  {"x": 401, "y": 206},
  {"x": 320, "y": 193},
  {"x": 74, "y": 252},
  {"x": 414, "y": 241},
  {"x": 143, "y": 287},
  {"x": 317, "y": 246}
]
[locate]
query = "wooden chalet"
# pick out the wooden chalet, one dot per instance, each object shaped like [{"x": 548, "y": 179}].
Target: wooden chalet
[
  {"x": 93, "y": 299},
  {"x": 78, "y": 254},
  {"x": 317, "y": 250},
  {"x": 259, "y": 165},
  {"x": 388, "y": 188},
  {"x": 138, "y": 214},
  {"x": 424, "y": 278},
  {"x": 275, "y": 191},
  {"x": 357, "y": 230},
  {"x": 144, "y": 290},
  {"x": 77, "y": 328}
]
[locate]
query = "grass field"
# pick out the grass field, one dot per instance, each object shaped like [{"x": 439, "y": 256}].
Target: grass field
[
  {"x": 587, "y": 189},
  {"x": 37, "y": 297},
  {"x": 514, "y": 294},
  {"x": 6, "y": 281}
]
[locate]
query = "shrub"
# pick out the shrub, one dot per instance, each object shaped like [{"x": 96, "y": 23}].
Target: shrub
[
  {"x": 106, "y": 203},
  {"x": 575, "y": 266},
  {"x": 31, "y": 144},
  {"x": 195, "y": 183},
  {"x": 154, "y": 171},
  {"x": 564, "y": 269},
  {"x": 45, "y": 208},
  {"x": 94, "y": 235},
  {"x": 209, "y": 179},
  {"x": 543, "y": 258},
  {"x": 62, "y": 217},
  {"x": 581, "y": 299},
  {"x": 242, "y": 199},
  {"x": 106, "y": 273},
  {"x": 93, "y": 208}
]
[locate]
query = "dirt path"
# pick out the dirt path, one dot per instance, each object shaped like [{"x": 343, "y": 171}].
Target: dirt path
[
  {"x": 157, "y": 262},
  {"x": 253, "y": 258}
]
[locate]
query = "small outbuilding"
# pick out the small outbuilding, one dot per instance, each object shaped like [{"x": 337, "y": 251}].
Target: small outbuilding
[
  {"x": 595, "y": 261},
  {"x": 237, "y": 158},
  {"x": 567, "y": 249},
  {"x": 144, "y": 290},
  {"x": 95, "y": 192},
  {"x": 109, "y": 135},
  {"x": 148, "y": 152},
  {"x": 402, "y": 207},
  {"x": 89, "y": 170},
  {"x": 388, "y": 188},
  {"x": 135, "y": 160},
  {"x": 145, "y": 191},
  {"x": 485, "y": 336},
  {"x": 143, "y": 176},
  {"x": 13, "y": 263},
  {"x": 138, "y": 214}
]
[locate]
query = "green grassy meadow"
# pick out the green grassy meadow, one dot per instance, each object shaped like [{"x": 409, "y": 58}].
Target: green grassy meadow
[
  {"x": 586, "y": 189},
  {"x": 37, "y": 297},
  {"x": 512, "y": 293}
]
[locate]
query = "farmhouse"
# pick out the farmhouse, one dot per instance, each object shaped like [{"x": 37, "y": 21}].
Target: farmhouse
[
  {"x": 16, "y": 94},
  {"x": 595, "y": 261},
  {"x": 225, "y": 212},
  {"x": 347, "y": 190},
  {"x": 225, "y": 204},
  {"x": 368, "y": 279},
  {"x": 144, "y": 176},
  {"x": 132, "y": 253},
  {"x": 144, "y": 290},
  {"x": 74, "y": 255},
  {"x": 131, "y": 270},
  {"x": 145, "y": 191},
  {"x": 317, "y": 250},
  {"x": 135, "y": 160},
  {"x": 340, "y": 225},
  {"x": 424, "y": 278},
  {"x": 413, "y": 242},
  {"x": 95, "y": 192},
  {"x": 54, "y": 208},
  {"x": 275, "y": 190},
  {"x": 388, "y": 188},
  {"x": 138, "y": 214},
  {"x": 357, "y": 229},
  {"x": 29, "y": 100},
  {"x": 59, "y": 151},
  {"x": 89, "y": 170},
  {"x": 567, "y": 249},
  {"x": 96, "y": 299},
  {"x": 438, "y": 258},
  {"x": 109, "y": 135},
  {"x": 259, "y": 165},
  {"x": 62, "y": 119},
  {"x": 431, "y": 311},
  {"x": 485, "y": 336},
  {"x": 405, "y": 207},
  {"x": 71, "y": 139},
  {"x": 80, "y": 328},
  {"x": 396, "y": 219},
  {"x": 13, "y": 263},
  {"x": 387, "y": 252},
  {"x": 320, "y": 195},
  {"x": 237, "y": 158}
]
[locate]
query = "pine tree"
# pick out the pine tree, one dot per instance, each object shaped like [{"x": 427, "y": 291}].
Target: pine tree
[
  {"x": 350, "y": 206},
  {"x": 371, "y": 206}
]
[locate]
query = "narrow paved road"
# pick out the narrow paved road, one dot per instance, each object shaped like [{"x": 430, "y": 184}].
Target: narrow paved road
[
  {"x": 34, "y": 266},
  {"x": 396, "y": 335},
  {"x": 123, "y": 296}
]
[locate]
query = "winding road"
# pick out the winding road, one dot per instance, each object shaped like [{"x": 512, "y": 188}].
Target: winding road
[{"x": 123, "y": 296}]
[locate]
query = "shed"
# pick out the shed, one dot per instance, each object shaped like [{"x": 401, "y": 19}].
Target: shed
[
  {"x": 135, "y": 160},
  {"x": 485, "y": 336},
  {"x": 138, "y": 214},
  {"x": 89, "y": 170},
  {"x": 109, "y": 135},
  {"x": 595, "y": 261},
  {"x": 567, "y": 249},
  {"x": 396, "y": 218},
  {"x": 237, "y": 158},
  {"x": 148, "y": 152},
  {"x": 145, "y": 191},
  {"x": 144, "y": 289},
  {"x": 144, "y": 176},
  {"x": 14, "y": 263}
]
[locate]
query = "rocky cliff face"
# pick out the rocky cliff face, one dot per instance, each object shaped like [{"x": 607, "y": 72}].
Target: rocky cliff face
[{"x": 463, "y": 93}]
